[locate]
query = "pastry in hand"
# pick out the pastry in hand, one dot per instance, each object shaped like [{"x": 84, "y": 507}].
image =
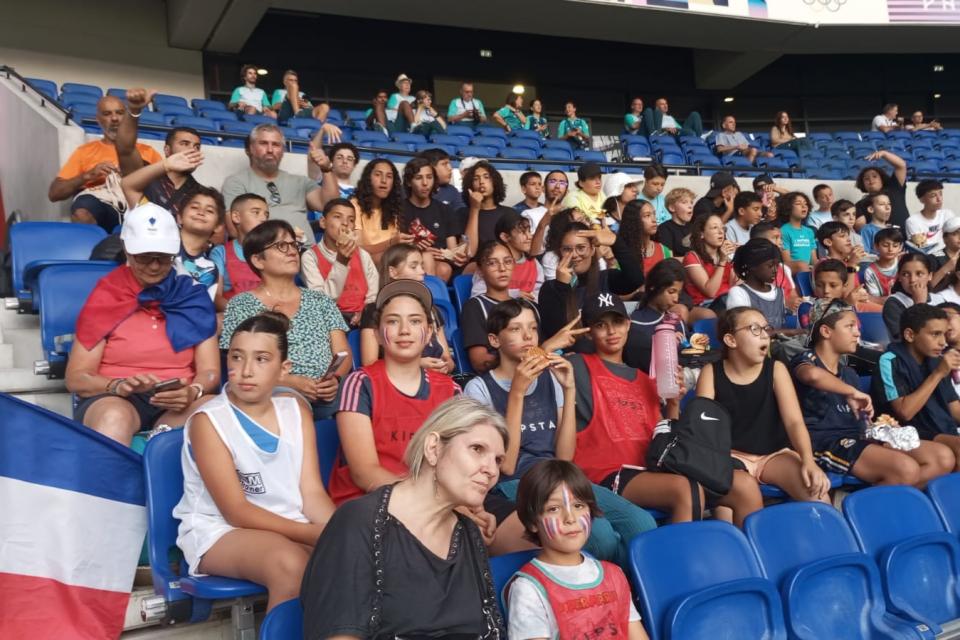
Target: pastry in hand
[{"x": 535, "y": 352}]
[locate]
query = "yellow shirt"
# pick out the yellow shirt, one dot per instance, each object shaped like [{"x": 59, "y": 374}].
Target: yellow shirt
[
  {"x": 590, "y": 206},
  {"x": 369, "y": 228}
]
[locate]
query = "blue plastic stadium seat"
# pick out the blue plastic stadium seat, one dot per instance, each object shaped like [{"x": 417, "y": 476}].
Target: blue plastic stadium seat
[
  {"x": 455, "y": 340},
  {"x": 558, "y": 144},
  {"x": 830, "y": 588},
  {"x": 37, "y": 245},
  {"x": 804, "y": 280},
  {"x": 460, "y": 130},
  {"x": 217, "y": 115},
  {"x": 462, "y": 285},
  {"x": 72, "y": 99},
  {"x": 525, "y": 134},
  {"x": 846, "y": 137},
  {"x": 256, "y": 118},
  {"x": 490, "y": 130},
  {"x": 243, "y": 128},
  {"x": 77, "y": 87},
  {"x": 872, "y": 136},
  {"x": 409, "y": 138},
  {"x": 356, "y": 115},
  {"x": 873, "y": 329},
  {"x": 441, "y": 300},
  {"x": 503, "y": 567},
  {"x": 639, "y": 148},
  {"x": 284, "y": 622},
  {"x": 708, "y": 326},
  {"x": 478, "y": 151},
  {"x": 167, "y": 99},
  {"x": 922, "y": 143},
  {"x": 200, "y": 104},
  {"x": 200, "y": 124},
  {"x": 450, "y": 149},
  {"x": 518, "y": 153},
  {"x": 588, "y": 155},
  {"x": 304, "y": 123},
  {"x": 918, "y": 559},
  {"x": 731, "y": 160},
  {"x": 525, "y": 143},
  {"x": 328, "y": 446},
  {"x": 369, "y": 138},
  {"x": 46, "y": 87},
  {"x": 164, "y": 485},
  {"x": 490, "y": 141},
  {"x": 556, "y": 154},
  {"x": 353, "y": 339},
  {"x": 175, "y": 110},
  {"x": 701, "y": 581},
  {"x": 944, "y": 492},
  {"x": 456, "y": 140}
]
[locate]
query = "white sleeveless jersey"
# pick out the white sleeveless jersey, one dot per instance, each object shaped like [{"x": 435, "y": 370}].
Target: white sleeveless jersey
[{"x": 269, "y": 480}]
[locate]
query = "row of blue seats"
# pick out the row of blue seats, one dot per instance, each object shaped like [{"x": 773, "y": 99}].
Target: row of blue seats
[{"x": 887, "y": 569}]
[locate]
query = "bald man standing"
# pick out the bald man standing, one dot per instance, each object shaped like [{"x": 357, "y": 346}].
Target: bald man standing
[{"x": 91, "y": 163}]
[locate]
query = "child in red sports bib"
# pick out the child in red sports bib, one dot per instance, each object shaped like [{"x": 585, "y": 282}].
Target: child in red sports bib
[{"x": 564, "y": 593}]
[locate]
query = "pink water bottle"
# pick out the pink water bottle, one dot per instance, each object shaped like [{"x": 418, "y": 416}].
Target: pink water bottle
[{"x": 664, "y": 358}]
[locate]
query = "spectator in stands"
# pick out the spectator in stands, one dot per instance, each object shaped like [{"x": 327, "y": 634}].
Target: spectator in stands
[
  {"x": 662, "y": 292},
  {"x": 379, "y": 203},
  {"x": 404, "y": 262},
  {"x": 719, "y": 198},
  {"x": 556, "y": 186},
  {"x": 947, "y": 263},
  {"x": 757, "y": 263},
  {"x": 510, "y": 115},
  {"x": 377, "y": 113},
  {"x": 823, "y": 196},
  {"x": 429, "y": 221},
  {"x": 731, "y": 142},
  {"x": 94, "y": 163},
  {"x": 554, "y": 241},
  {"x": 531, "y": 186},
  {"x": 289, "y": 102},
  {"x": 912, "y": 287},
  {"x": 834, "y": 237},
  {"x": 709, "y": 265},
  {"x": 878, "y": 214},
  {"x": 317, "y": 330},
  {"x": 588, "y": 197},
  {"x": 338, "y": 266},
  {"x": 781, "y": 134},
  {"x": 784, "y": 278},
  {"x": 654, "y": 181},
  {"x": 617, "y": 411},
  {"x": 483, "y": 195},
  {"x": 887, "y": 119},
  {"x": 633, "y": 120},
  {"x": 579, "y": 277},
  {"x": 639, "y": 232},
  {"x": 446, "y": 192},
  {"x": 917, "y": 124},
  {"x": 334, "y": 171},
  {"x": 925, "y": 229},
  {"x": 834, "y": 408},
  {"x": 831, "y": 281},
  {"x": 536, "y": 121},
  {"x": 880, "y": 276},
  {"x": 749, "y": 211},
  {"x": 873, "y": 180},
  {"x": 620, "y": 189},
  {"x": 799, "y": 240},
  {"x": 675, "y": 232},
  {"x": 913, "y": 380},
  {"x": 248, "y": 98},
  {"x": 398, "y": 553},
  {"x": 513, "y": 230},
  {"x": 247, "y": 211},
  {"x": 848, "y": 213},
  {"x": 658, "y": 121},
  {"x": 168, "y": 183},
  {"x": 143, "y": 325},
  {"x": 398, "y": 109},
  {"x": 230, "y": 526},
  {"x": 289, "y": 195},
  {"x": 558, "y": 509},
  {"x": 199, "y": 219},
  {"x": 426, "y": 120},
  {"x": 768, "y": 435},
  {"x": 574, "y": 130},
  {"x": 466, "y": 109},
  {"x": 495, "y": 267}
]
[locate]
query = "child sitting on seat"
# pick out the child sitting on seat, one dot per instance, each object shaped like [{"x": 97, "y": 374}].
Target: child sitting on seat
[
  {"x": 662, "y": 292},
  {"x": 784, "y": 279},
  {"x": 877, "y": 209},
  {"x": 638, "y": 228},
  {"x": 913, "y": 382},
  {"x": 513, "y": 231},
  {"x": 766, "y": 421},
  {"x": 253, "y": 503},
  {"x": 914, "y": 273},
  {"x": 564, "y": 593},
  {"x": 834, "y": 408},
  {"x": 880, "y": 276},
  {"x": 755, "y": 263},
  {"x": 247, "y": 211},
  {"x": 536, "y": 395}
]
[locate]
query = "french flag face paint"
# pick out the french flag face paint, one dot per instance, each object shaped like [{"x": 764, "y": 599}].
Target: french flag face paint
[
  {"x": 551, "y": 526},
  {"x": 586, "y": 522}
]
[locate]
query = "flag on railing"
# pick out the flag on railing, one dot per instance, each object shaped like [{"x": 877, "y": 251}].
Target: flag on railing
[{"x": 72, "y": 523}]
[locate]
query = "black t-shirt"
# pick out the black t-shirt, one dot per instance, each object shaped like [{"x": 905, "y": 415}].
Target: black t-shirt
[
  {"x": 898, "y": 203},
  {"x": 473, "y": 321},
  {"x": 423, "y": 594},
  {"x": 756, "y": 425},
  {"x": 675, "y": 236},
  {"x": 705, "y": 206},
  {"x": 162, "y": 192},
  {"x": 436, "y": 217},
  {"x": 486, "y": 222}
]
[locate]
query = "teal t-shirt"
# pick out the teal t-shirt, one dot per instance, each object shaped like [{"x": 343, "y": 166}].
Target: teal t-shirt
[
  {"x": 457, "y": 107},
  {"x": 533, "y": 121},
  {"x": 394, "y": 102},
  {"x": 281, "y": 94},
  {"x": 510, "y": 118},
  {"x": 255, "y": 96},
  {"x": 659, "y": 206},
  {"x": 800, "y": 242},
  {"x": 629, "y": 120},
  {"x": 566, "y": 125}
]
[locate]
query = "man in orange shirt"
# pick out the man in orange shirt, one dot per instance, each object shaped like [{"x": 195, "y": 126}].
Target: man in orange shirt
[{"x": 89, "y": 166}]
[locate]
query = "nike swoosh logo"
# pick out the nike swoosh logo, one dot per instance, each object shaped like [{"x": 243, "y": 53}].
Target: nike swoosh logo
[{"x": 704, "y": 416}]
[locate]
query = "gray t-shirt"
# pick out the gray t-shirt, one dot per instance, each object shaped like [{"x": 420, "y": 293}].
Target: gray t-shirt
[
  {"x": 734, "y": 139},
  {"x": 292, "y": 190}
]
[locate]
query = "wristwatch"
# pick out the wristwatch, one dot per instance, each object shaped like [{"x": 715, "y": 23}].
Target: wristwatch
[{"x": 852, "y": 269}]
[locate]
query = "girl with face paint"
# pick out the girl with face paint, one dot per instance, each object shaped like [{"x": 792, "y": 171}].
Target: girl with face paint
[{"x": 556, "y": 504}]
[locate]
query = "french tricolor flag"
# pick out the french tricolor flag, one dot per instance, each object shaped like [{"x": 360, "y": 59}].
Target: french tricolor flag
[{"x": 72, "y": 523}]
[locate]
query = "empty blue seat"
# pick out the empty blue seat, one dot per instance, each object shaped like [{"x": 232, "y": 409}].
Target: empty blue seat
[
  {"x": 163, "y": 476},
  {"x": 409, "y": 138},
  {"x": 328, "y": 443},
  {"x": 456, "y": 140},
  {"x": 525, "y": 143},
  {"x": 774, "y": 164},
  {"x": 558, "y": 144},
  {"x": 638, "y": 149},
  {"x": 556, "y": 153},
  {"x": 35, "y": 246},
  {"x": 804, "y": 280},
  {"x": 392, "y": 146},
  {"x": 200, "y": 124},
  {"x": 462, "y": 285},
  {"x": 217, "y": 115},
  {"x": 335, "y": 116},
  {"x": 62, "y": 291},
  {"x": 199, "y": 104},
  {"x": 237, "y": 127},
  {"x": 490, "y": 141},
  {"x": 489, "y": 130},
  {"x": 502, "y": 569},
  {"x": 370, "y": 138},
  {"x": 441, "y": 300},
  {"x": 256, "y": 118},
  {"x": 846, "y": 137},
  {"x": 701, "y": 581},
  {"x": 478, "y": 151},
  {"x": 830, "y": 588},
  {"x": 167, "y": 99},
  {"x": 304, "y": 123},
  {"x": 918, "y": 559},
  {"x": 925, "y": 167},
  {"x": 944, "y": 492},
  {"x": 353, "y": 339},
  {"x": 525, "y": 134},
  {"x": 872, "y": 136},
  {"x": 899, "y": 135},
  {"x": 283, "y": 622},
  {"x": 175, "y": 110},
  {"x": 153, "y": 118},
  {"x": 520, "y": 153},
  {"x": 731, "y": 160},
  {"x": 71, "y": 99},
  {"x": 46, "y": 87},
  {"x": 588, "y": 155},
  {"x": 77, "y": 87},
  {"x": 460, "y": 130},
  {"x": 459, "y": 352}
]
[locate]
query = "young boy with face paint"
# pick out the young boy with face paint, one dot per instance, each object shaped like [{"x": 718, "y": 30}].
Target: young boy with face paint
[{"x": 555, "y": 503}]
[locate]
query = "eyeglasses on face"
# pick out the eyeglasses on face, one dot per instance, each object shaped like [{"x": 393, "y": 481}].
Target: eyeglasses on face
[
  {"x": 491, "y": 263},
  {"x": 756, "y": 329},
  {"x": 147, "y": 259},
  {"x": 555, "y": 182},
  {"x": 274, "y": 193},
  {"x": 285, "y": 246}
]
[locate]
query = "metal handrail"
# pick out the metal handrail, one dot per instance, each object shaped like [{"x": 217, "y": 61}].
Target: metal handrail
[{"x": 10, "y": 72}]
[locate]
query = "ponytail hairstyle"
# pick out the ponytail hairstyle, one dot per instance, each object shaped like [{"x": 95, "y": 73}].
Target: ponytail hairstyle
[
  {"x": 271, "y": 322},
  {"x": 663, "y": 274}
]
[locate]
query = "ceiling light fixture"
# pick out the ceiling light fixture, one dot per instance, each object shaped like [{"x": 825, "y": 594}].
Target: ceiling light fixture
[
  {"x": 518, "y": 89},
  {"x": 728, "y": 99},
  {"x": 486, "y": 53},
  {"x": 261, "y": 72}
]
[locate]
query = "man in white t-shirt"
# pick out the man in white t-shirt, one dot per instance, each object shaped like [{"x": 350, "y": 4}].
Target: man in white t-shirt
[
  {"x": 248, "y": 98},
  {"x": 929, "y": 222},
  {"x": 887, "y": 120}
]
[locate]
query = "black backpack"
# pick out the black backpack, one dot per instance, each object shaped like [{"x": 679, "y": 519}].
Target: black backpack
[{"x": 697, "y": 447}]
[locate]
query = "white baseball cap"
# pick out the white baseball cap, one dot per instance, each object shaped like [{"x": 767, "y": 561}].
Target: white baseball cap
[
  {"x": 951, "y": 225},
  {"x": 614, "y": 184},
  {"x": 150, "y": 228}
]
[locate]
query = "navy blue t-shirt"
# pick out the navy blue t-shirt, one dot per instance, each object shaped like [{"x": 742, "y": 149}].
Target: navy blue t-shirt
[{"x": 827, "y": 415}]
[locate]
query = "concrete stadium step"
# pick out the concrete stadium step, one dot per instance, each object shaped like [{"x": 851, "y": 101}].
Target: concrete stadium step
[{"x": 59, "y": 402}]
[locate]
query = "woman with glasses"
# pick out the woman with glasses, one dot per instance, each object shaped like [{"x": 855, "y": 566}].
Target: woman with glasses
[
  {"x": 317, "y": 330},
  {"x": 145, "y": 351}
]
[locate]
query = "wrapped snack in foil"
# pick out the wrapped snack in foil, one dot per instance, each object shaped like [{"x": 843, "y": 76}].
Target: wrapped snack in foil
[{"x": 900, "y": 438}]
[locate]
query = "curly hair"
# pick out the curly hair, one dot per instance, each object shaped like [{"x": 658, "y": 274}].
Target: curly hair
[
  {"x": 631, "y": 226},
  {"x": 391, "y": 205},
  {"x": 499, "y": 189}
]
